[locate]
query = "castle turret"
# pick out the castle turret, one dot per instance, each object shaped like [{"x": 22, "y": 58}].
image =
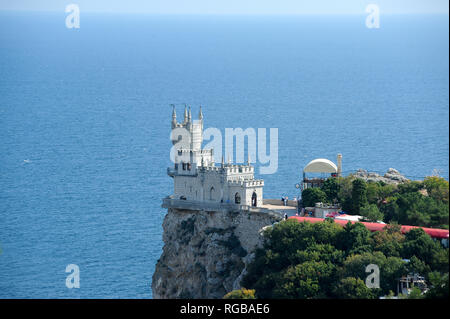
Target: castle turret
[
  {"x": 174, "y": 117},
  {"x": 185, "y": 114},
  {"x": 189, "y": 115},
  {"x": 200, "y": 114}
]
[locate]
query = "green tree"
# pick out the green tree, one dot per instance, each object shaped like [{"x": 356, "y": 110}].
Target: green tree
[
  {"x": 306, "y": 280},
  {"x": 391, "y": 268},
  {"x": 313, "y": 195},
  {"x": 345, "y": 193},
  {"x": 352, "y": 288},
  {"x": 359, "y": 195},
  {"x": 371, "y": 213},
  {"x": 413, "y": 208},
  {"x": 331, "y": 189},
  {"x": 418, "y": 243},
  {"x": 241, "y": 294},
  {"x": 390, "y": 209},
  {"x": 415, "y": 293},
  {"x": 326, "y": 260},
  {"x": 439, "y": 286},
  {"x": 287, "y": 245},
  {"x": 437, "y": 188},
  {"x": 410, "y": 187},
  {"x": 389, "y": 241},
  {"x": 417, "y": 266},
  {"x": 354, "y": 239},
  {"x": 373, "y": 192}
]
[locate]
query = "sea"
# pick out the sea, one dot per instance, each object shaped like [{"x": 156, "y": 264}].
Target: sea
[{"x": 85, "y": 119}]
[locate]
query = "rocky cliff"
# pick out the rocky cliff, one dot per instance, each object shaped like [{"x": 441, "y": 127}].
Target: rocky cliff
[
  {"x": 205, "y": 253},
  {"x": 392, "y": 176}
]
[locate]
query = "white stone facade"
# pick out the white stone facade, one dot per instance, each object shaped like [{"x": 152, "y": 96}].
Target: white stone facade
[{"x": 196, "y": 177}]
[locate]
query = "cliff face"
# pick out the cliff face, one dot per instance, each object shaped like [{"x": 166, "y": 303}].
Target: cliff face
[{"x": 205, "y": 254}]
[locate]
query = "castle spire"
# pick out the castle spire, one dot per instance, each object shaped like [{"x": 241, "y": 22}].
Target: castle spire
[
  {"x": 185, "y": 114},
  {"x": 174, "y": 116},
  {"x": 189, "y": 115},
  {"x": 200, "y": 114}
]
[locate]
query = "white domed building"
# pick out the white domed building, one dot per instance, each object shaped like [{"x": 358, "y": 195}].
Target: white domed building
[{"x": 322, "y": 169}]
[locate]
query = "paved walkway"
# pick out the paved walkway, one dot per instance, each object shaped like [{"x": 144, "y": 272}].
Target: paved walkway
[{"x": 289, "y": 210}]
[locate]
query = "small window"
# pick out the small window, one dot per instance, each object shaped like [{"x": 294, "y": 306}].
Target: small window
[{"x": 237, "y": 198}]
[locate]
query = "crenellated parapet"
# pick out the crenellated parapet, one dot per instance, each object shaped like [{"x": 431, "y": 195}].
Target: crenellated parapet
[{"x": 247, "y": 183}]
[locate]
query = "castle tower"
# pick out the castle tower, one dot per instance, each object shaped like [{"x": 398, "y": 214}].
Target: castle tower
[
  {"x": 195, "y": 131},
  {"x": 197, "y": 178}
]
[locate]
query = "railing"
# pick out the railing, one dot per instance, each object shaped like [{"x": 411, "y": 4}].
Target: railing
[
  {"x": 279, "y": 202},
  {"x": 173, "y": 172},
  {"x": 169, "y": 202}
]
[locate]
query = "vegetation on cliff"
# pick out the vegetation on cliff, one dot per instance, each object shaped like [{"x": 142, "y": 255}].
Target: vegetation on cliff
[
  {"x": 325, "y": 260},
  {"x": 241, "y": 294},
  {"x": 418, "y": 203}
]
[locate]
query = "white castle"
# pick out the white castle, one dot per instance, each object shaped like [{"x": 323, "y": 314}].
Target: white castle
[{"x": 197, "y": 178}]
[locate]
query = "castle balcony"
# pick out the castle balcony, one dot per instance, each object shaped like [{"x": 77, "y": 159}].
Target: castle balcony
[
  {"x": 192, "y": 205},
  {"x": 173, "y": 172}
]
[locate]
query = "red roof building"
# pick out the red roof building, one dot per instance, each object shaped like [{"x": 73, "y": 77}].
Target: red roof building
[{"x": 433, "y": 232}]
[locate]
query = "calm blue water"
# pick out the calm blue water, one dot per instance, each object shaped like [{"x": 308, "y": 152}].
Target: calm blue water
[{"x": 85, "y": 117}]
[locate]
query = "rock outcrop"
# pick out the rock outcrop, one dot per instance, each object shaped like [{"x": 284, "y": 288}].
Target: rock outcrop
[
  {"x": 392, "y": 176},
  {"x": 205, "y": 253}
]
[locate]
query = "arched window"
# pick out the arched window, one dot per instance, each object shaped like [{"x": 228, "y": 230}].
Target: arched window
[
  {"x": 254, "y": 199},
  {"x": 211, "y": 193},
  {"x": 237, "y": 198}
]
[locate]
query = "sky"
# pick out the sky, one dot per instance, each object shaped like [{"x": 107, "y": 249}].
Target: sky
[{"x": 233, "y": 6}]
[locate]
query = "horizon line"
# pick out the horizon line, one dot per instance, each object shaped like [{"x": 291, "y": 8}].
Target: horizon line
[{"x": 362, "y": 13}]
